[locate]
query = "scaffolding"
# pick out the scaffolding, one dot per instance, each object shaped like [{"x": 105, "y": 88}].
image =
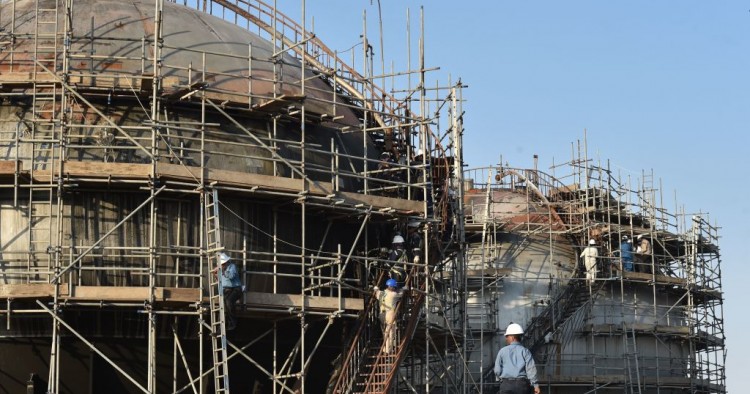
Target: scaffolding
[
  {"x": 653, "y": 326},
  {"x": 127, "y": 171}
]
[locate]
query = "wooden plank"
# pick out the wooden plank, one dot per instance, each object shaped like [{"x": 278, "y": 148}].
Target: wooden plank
[
  {"x": 661, "y": 279},
  {"x": 8, "y": 167},
  {"x": 134, "y": 294},
  {"x": 285, "y": 301},
  {"x": 384, "y": 202},
  {"x": 174, "y": 294},
  {"x": 106, "y": 170},
  {"x": 28, "y": 290},
  {"x": 240, "y": 179},
  {"x": 110, "y": 293}
]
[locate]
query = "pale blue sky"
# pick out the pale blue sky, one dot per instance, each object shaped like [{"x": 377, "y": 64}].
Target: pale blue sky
[{"x": 659, "y": 85}]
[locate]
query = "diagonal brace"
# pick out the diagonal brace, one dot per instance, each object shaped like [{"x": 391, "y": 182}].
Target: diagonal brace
[
  {"x": 100, "y": 113},
  {"x": 71, "y": 265},
  {"x": 90, "y": 345}
]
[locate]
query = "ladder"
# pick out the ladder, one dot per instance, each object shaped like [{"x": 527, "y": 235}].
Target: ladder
[
  {"x": 43, "y": 134},
  {"x": 631, "y": 361},
  {"x": 216, "y": 293}
]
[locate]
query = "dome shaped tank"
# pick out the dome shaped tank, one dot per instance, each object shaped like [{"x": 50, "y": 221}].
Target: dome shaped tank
[{"x": 637, "y": 325}]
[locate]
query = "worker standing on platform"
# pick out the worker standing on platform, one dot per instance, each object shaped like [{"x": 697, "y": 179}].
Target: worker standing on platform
[
  {"x": 388, "y": 300},
  {"x": 644, "y": 254},
  {"x": 626, "y": 254},
  {"x": 514, "y": 365},
  {"x": 413, "y": 242},
  {"x": 589, "y": 256},
  {"x": 397, "y": 260},
  {"x": 232, "y": 286}
]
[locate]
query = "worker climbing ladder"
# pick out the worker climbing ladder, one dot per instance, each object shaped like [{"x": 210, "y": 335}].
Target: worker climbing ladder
[{"x": 216, "y": 293}]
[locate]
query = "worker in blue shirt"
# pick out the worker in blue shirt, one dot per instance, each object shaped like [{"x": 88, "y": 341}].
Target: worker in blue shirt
[
  {"x": 626, "y": 254},
  {"x": 232, "y": 287},
  {"x": 515, "y": 366}
]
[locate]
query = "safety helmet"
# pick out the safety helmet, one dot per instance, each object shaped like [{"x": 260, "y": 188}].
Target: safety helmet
[
  {"x": 391, "y": 283},
  {"x": 592, "y": 242},
  {"x": 224, "y": 257},
  {"x": 385, "y": 154},
  {"x": 398, "y": 239},
  {"x": 413, "y": 224},
  {"x": 624, "y": 237},
  {"x": 513, "y": 329}
]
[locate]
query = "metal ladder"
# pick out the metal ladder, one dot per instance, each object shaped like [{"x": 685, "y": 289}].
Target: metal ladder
[
  {"x": 43, "y": 133},
  {"x": 216, "y": 293},
  {"x": 631, "y": 361}
]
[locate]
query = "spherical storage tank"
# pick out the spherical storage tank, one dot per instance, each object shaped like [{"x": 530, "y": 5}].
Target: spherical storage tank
[
  {"x": 523, "y": 267},
  {"x": 102, "y": 125}
]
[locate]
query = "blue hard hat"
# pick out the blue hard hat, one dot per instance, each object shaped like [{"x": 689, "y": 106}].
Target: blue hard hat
[{"x": 391, "y": 283}]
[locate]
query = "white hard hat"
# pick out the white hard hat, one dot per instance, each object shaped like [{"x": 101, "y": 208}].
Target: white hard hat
[
  {"x": 592, "y": 242},
  {"x": 624, "y": 237},
  {"x": 398, "y": 239},
  {"x": 224, "y": 257},
  {"x": 413, "y": 223},
  {"x": 513, "y": 329}
]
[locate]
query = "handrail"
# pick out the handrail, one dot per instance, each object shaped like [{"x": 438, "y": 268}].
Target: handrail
[{"x": 345, "y": 381}]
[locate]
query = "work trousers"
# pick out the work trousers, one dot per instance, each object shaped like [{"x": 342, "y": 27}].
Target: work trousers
[
  {"x": 231, "y": 295},
  {"x": 515, "y": 386}
]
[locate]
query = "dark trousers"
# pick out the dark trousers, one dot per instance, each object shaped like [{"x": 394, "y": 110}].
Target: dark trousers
[
  {"x": 515, "y": 386},
  {"x": 231, "y": 295}
]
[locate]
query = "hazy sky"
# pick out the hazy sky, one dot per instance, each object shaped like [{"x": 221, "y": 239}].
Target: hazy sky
[{"x": 658, "y": 85}]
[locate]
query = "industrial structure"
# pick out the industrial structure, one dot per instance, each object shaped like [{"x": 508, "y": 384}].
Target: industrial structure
[
  {"x": 653, "y": 324},
  {"x": 142, "y": 139}
]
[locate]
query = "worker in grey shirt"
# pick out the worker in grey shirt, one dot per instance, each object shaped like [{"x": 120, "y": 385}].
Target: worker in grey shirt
[{"x": 514, "y": 365}]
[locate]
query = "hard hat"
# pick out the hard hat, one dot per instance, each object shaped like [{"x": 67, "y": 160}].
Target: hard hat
[
  {"x": 413, "y": 223},
  {"x": 513, "y": 329},
  {"x": 391, "y": 283},
  {"x": 398, "y": 239},
  {"x": 624, "y": 237},
  {"x": 385, "y": 154},
  {"x": 224, "y": 257},
  {"x": 592, "y": 242}
]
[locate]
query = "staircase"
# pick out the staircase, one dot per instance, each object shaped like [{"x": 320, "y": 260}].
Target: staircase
[
  {"x": 216, "y": 293},
  {"x": 575, "y": 295},
  {"x": 367, "y": 368}
]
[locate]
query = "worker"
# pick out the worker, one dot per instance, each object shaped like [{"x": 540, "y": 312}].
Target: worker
[
  {"x": 589, "y": 256},
  {"x": 413, "y": 242},
  {"x": 385, "y": 171},
  {"x": 397, "y": 259},
  {"x": 644, "y": 254},
  {"x": 514, "y": 365},
  {"x": 232, "y": 289},
  {"x": 626, "y": 254},
  {"x": 388, "y": 300}
]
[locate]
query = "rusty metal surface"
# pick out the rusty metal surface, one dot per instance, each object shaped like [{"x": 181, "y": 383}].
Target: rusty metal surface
[{"x": 108, "y": 39}]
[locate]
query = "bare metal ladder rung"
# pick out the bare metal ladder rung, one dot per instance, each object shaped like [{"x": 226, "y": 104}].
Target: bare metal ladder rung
[{"x": 216, "y": 296}]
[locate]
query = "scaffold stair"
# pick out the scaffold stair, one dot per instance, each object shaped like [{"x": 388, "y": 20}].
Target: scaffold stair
[
  {"x": 368, "y": 368},
  {"x": 216, "y": 293},
  {"x": 575, "y": 295}
]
